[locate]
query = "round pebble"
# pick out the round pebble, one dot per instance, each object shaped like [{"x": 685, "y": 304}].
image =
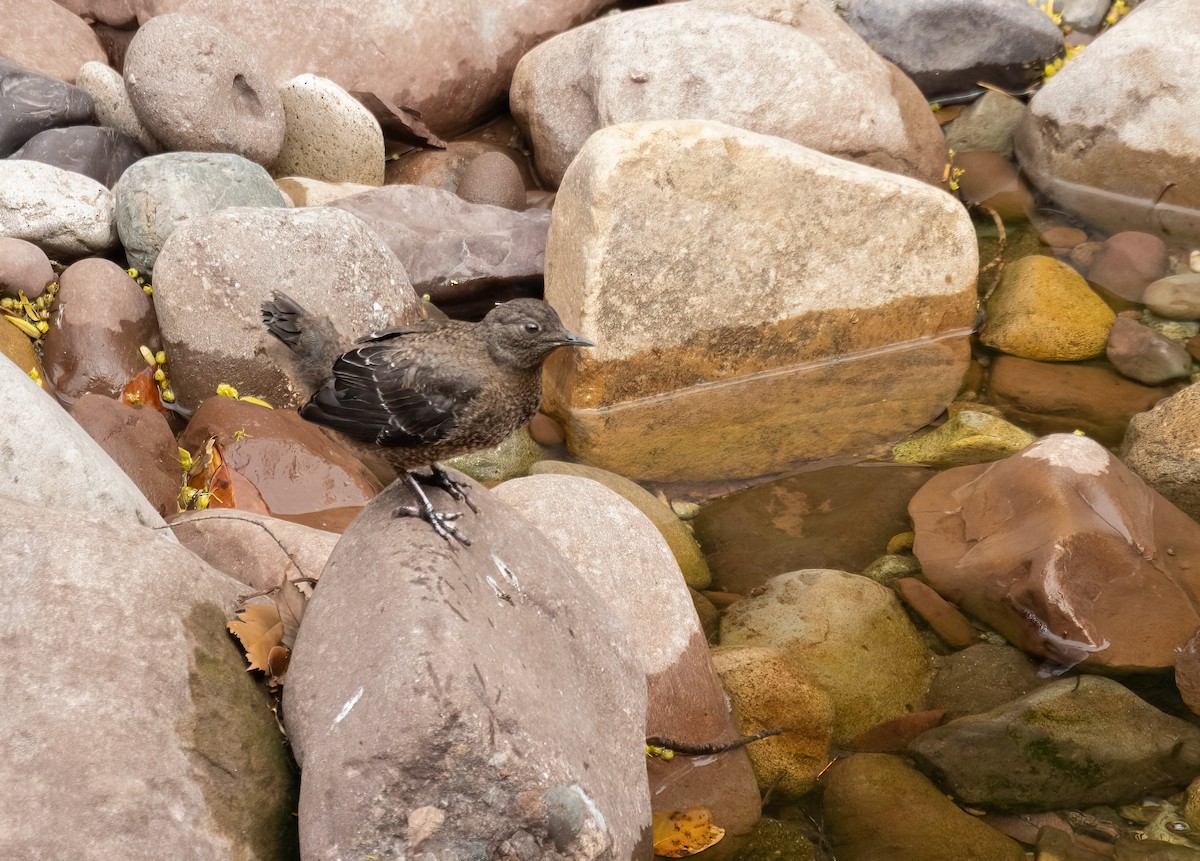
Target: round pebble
[
  {"x": 24, "y": 268},
  {"x": 1176, "y": 297},
  {"x": 492, "y": 178},
  {"x": 1128, "y": 262},
  {"x": 197, "y": 88}
]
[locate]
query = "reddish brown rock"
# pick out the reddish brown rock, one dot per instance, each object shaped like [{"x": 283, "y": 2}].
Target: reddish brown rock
[
  {"x": 140, "y": 441},
  {"x": 1142, "y": 354},
  {"x": 1187, "y": 673},
  {"x": 1066, "y": 552},
  {"x": 945, "y": 619},
  {"x": 443, "y": 168},
  {"x": 494, "y": 179},
  {"x": 1049, "y": 398},
  {"x": 43, "y": 36},
  {"x": 24, "y": 268},
  {"x": 1062, "y": 239},
  {"x": 101, "y": 317},
  {"x": 992, "y": 180},
  {"x": 1127, "y": 263},
  {"x": 451, "y": 60},
  {"x": 280, "y": 464}
]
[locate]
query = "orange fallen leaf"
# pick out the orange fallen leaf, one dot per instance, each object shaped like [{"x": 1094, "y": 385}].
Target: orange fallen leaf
[
  {"x": 259, "y": 629},
  {"x": 680, "y": 833}
]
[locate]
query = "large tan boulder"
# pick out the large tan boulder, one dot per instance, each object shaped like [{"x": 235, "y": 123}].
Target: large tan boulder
[
  {"x": 755, "y": 303},
  {"x": 772, "y": 67}
]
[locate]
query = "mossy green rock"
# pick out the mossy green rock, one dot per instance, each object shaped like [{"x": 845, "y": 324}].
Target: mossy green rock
[
  {"x": 511, "y": 459},
  {"x": 967, "y": 437},
  {"x": 679, "y": 538},
  {"x": 1045, "y": 310},
  {"x": 879, "y": 808}
]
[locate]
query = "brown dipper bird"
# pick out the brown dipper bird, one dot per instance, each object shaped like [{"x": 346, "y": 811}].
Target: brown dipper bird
[{"x": 421, "y": 393}]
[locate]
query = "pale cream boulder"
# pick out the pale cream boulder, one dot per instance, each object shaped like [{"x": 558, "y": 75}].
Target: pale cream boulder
[
  {"x": 755, "y": 303},
  {"x": 791, "y": 69},
  {"x": 328, "y": 135}
]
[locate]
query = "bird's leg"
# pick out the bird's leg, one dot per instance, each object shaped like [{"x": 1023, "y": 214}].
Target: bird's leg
[
  {"x": 441, "y": 521},
  {"x": 438, "y": 477}
]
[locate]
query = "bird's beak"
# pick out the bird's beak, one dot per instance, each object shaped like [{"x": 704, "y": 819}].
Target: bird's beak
[{"x": 573, "y": 340}]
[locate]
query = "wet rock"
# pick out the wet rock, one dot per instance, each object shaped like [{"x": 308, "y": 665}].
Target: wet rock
[
  {"x": 1044, "y": 310},
  {"x": 771, "y": 840},
  {"x": 1050, "y": 398},
  {"x": 773, "y": 70},
  {"x": 943, "y": 617},
  {"x": 1073, "y": 743},
  {"x": 1127, "y": 263},
  {"x": 214, "y": 273},
  {"x": 980, "y": 678},
  {"x": 139, "y": 441},
  {"x": 51, "y": 461},
  {"x": 1062, "y": 239},
  {"x": 840, "y": 517},
  {"x": 1163, "y": 447},
  {"x": 987, "y": 125},
  {"x": 252, "y": 548},
  {"x": 878, "y": 806},
  {"x": 1064, "y": 551},
  {"x": 114, "y": 109},
  {"x": 492, "y": 178},
  {"x": 24, "y": 268},
  {"x": 34, "y": 102},
  {"x": 65, "y": 214},
  {"x": 152, "y": 700},
  {"x": 617, "y": 551},
  {"x": 709, "y": 615},
  {"x": 447, "y": 658},
  {"x": 967, "y": 437},
  {"x": 1187, "y": 673},
  {"x": 302, "y": 191},
  {"x": 679, "y": 538},
  {"x": 1140, "y": 353},
  {"x": 452, "y": 249},
  {"x": 1112, "y": 154},
  {"x": 278, "y": 463},
  {"x": 19, "y": 350},
  {"x": 511, "y": 459},
  {"x": 948, "y": 46},
  {"x": 159, "y": 194},
  {"x": 197, "y": 87},
  {"x": 755, "y": 377},
  {"x": 330, "y": 136},
  {"x": 767, "y": 690},
  {"x": 848, "y": 634},
  {"x": 101, "y": 317},
  {"x": 43, "y": 36},
  {"x": 100, "y": 153},
  {"x": 887, "y": 569},
  {"x": 1176, "y": 297},
  {"x": 992, "y": 180}
]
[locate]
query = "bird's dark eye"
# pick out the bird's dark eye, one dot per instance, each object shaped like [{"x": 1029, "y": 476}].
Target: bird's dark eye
[{"x": 531, "y": 326}]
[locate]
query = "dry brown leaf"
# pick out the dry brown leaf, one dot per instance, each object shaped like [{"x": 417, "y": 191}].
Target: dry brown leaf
[
  {"x": 290, "y": 602},
  {"x": 259, "y": 629},
  {"x": 680, "y": 833}
]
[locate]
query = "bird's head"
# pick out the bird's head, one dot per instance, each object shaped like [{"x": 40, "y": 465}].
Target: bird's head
[{"x": 523, "y": 332}]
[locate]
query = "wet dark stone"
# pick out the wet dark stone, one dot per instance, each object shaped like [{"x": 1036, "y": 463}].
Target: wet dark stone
[
  {"x": 31, "y": 102},
  {"x": 95, "y": 151},
  {"x": 841, "y": 518}
]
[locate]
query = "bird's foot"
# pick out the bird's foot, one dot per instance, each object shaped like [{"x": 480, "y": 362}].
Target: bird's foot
[
  {"x": 441, "y": 521},
  {"x": 438, "y": 477}
]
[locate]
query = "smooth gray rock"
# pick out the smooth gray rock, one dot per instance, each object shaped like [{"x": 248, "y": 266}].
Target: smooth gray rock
[
  {"x": 31, "y": 102},
  {"x": 988, "y": 125},
  {"x": 151, "y": 729},
  {"x": 1074, "y": 743},
  {"x": 1085, "y": 15},
  {"x": 1176, "y": 297},
  {"x": 160, "y": 193},
  {"x": 64, "y": 213},
  {"x": 488, "y": 682},
  {"x": 94, "y": 151},
  {"x": 452, "y": 249}
]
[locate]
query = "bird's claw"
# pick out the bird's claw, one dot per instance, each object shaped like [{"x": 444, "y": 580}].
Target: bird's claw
[
  {"x": 441, "y": 521},
  {"x": 438, "y": 477}
]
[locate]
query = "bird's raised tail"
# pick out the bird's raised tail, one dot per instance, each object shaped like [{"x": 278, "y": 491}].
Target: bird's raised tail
[{"x": 313, "y": 339}]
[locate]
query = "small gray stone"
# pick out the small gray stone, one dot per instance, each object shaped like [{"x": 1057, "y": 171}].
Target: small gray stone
[
  {"x": 163, "y": 192},
  {"x": 1085, "y": 15},
  {"x": 564, "y": 815},
  {"x": 33, "y": 102},
  {"x": 113, "y": 107},
  {"x": 196, "y": 87},
  {"x": 100, "y": 153},
  {"x": 1176, "y": 297},
  {"x": 988, "y": 125}
]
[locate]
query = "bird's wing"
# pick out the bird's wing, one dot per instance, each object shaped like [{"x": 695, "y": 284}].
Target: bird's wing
[{"x": 390, "y": 396}]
